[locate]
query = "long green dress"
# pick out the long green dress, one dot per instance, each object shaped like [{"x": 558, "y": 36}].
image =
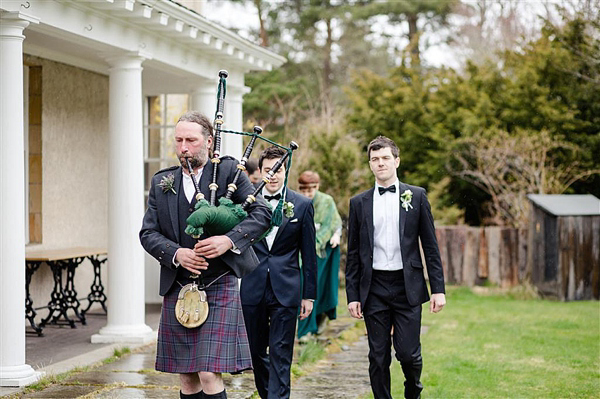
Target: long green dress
[{"x": 327, "y": 222}]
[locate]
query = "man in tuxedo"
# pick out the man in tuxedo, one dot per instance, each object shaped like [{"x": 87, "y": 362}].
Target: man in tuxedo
[
  {"x": 273, "y": 293},
  {"x": 384, "y": 270},
  {"x": 199, "y": 355}
]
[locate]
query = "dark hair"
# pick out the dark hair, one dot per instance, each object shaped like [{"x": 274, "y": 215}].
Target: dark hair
[
  {"x": 251, "y": 165},
  {"x": 272, "y": 152},
  {"x": 382, "y": 142},
  {"x": 199, "y": 118}
]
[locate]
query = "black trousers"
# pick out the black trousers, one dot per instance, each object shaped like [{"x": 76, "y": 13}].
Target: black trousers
[
  {"x": 271, "y": 324},
  {"x": 387, "y": 306}
]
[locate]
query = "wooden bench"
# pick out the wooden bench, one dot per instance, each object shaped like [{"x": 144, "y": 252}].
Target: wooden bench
[{"x": 64, "y": 296}]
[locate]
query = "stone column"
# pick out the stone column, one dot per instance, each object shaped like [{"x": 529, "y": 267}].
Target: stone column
[
  {"x": 126, "y": 312},
  {"x": 13, "y": 370}
]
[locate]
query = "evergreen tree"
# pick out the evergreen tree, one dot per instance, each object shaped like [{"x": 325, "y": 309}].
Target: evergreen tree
[{"x": 547, "y": 91}]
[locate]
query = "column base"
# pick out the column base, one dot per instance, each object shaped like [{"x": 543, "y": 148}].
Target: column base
[
  {"x": 129, "y": 334},
  {"x": 18, "y": 376}
]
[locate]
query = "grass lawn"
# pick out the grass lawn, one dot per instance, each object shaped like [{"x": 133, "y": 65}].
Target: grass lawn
[{"x": 485, "y": 345}]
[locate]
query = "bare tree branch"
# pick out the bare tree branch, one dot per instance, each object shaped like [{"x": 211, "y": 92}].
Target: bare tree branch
[{"x": 508, "y": 167}]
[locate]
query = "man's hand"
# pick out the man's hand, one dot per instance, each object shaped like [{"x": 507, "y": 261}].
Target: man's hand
[
  {"x": 335, "y": 240},
  {"x": 213, "y": 247},
  {"x": 437, "y": 302},
  {"x": 354, "y": 309},
  {"x": 305, "y": 308},
  {"x": 190, "y": 260}
]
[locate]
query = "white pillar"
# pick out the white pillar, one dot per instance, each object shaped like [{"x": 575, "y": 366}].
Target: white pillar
[
  {"x": 13, "y": 370},
  {"x": 204, "y": 99},
  {"x": 234, "y": 144},
  {"x": 126, "y": 313}
]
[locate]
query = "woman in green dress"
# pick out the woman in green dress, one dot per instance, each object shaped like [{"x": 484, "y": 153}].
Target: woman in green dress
[{"x": 328, "y": 226}]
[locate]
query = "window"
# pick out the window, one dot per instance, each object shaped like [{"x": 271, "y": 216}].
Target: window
[
  {"x": 33, "y": 152},
  {"x": 162, "y": 113}
]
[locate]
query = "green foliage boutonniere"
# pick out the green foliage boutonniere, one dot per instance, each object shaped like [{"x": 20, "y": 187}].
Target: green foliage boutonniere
[
  {"x": 167, "y": 183},
  {"x": 288, "y": 209},
  {"x": 406, "y": 198}
]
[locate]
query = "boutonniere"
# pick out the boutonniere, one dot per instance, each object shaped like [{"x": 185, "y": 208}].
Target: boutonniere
[
  {"x": 406, "y": 198},
  {"x": 288, "y": 209},
  {"x": 167, "y": 183}
]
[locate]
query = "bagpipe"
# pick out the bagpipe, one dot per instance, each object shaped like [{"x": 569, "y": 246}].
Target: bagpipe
[
  {"x": 209, "y": 217},
  {"x": 219, "y": 219}
]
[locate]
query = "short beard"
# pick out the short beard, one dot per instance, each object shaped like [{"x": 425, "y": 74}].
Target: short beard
[{"x": 196, "y": 161}]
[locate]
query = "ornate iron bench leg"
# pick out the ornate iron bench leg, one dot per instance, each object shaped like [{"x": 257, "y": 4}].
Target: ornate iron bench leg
[
  {"x": 57, "y": 298},
  {"x": 30, "y": 312},
  {"x": 71, "y": 301},
  {"x": 96, "y": 289}
]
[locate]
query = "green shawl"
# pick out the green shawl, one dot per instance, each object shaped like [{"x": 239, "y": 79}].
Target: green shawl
[{"x": 327, "y": 221}]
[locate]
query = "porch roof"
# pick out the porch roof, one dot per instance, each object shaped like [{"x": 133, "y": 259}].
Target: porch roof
[{"x": 182, "y": 47}]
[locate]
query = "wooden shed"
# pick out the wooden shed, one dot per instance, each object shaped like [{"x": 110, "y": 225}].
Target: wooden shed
[{"x": 564, "y": 245}]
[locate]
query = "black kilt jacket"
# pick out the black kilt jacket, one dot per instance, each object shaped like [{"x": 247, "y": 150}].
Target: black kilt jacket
[
  {"x": 160, "y": 233},
  {"x": 415, "y": 223}
]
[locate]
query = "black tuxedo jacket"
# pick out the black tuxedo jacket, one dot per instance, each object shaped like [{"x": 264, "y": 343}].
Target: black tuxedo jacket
[
  {"x": 296, "y": 236},
  {"x": 160, "y": 228},
  {"x": 415, "y": 224}
]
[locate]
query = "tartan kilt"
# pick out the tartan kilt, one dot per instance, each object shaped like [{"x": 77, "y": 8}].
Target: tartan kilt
[{"x": 220, "y": 345}]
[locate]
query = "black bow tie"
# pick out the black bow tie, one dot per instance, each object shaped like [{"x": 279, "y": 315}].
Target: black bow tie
[
  {"x": 276, "y": 197},
  {"x": 391, "y": 189}
]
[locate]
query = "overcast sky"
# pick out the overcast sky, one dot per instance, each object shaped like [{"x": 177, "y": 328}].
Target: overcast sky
[{"x": 244, "y": 16}]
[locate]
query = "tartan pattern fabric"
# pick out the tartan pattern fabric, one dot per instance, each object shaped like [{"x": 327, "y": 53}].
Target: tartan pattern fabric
[{"x": 220, "y": 345}]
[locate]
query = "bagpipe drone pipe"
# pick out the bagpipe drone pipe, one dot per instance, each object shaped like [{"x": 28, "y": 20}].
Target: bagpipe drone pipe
[{"x": 219, "y": 219}]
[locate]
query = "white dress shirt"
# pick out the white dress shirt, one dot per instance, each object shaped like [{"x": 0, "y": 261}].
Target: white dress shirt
[
  {"x": 189, "y": 190},
  {"x": 271, "y": 237},
  {"x": 386, "y": 230},
  {"x": 188, "y": 184}
]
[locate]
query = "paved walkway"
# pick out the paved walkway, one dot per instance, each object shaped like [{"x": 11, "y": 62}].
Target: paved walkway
[{"x": 340, "y": 375}]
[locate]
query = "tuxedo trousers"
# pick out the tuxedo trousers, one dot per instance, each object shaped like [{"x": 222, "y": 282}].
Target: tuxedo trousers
[
  {"x": 270, "y": 324},
  {"x": 386, "y": 307}
]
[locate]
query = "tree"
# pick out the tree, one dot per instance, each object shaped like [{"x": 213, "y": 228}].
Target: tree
[
  {"x": 338, "y": 157},
  {"x": 548, "y": 86},
  {"x": 280, "y": 99},
  {"x": 485, "y": 28},
  {"x": 544, "y": 86},
  {"x": 333, "y": 37},
  {"x": 568, "y": 58},
  {"x": 509, "y": 166},
  {"x": 418, "y": 15},
  {"x": 264, "y": 36}
]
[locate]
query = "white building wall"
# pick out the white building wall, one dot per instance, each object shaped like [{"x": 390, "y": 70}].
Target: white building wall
[{"x": 74, "y": 169}]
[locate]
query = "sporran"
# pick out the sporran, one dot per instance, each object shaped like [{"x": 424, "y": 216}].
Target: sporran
[{"x": 191, "y": 309}]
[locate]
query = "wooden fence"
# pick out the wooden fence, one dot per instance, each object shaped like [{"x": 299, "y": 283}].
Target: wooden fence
[
  {"x": 499, "y": 255},
  {"x": 474, "y": 255}
]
